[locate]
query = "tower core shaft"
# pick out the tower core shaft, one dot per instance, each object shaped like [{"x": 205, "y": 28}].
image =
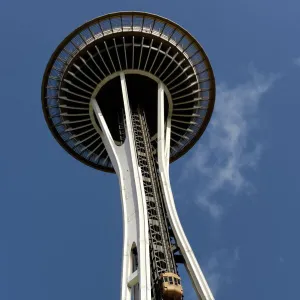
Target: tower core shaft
[{"x": 161, "y": 255}]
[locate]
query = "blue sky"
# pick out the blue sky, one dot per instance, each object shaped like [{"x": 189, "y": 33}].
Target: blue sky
[{"x": 237, "y": 191}]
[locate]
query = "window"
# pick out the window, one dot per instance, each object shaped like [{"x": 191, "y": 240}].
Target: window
[
  {"x": 179, "y": 281},
  {"x": 175, "y": 281},
  {"x": 165, "y": 279},
  {"x": 134, "y": 258},
  {"x": 170, "y": 280}
]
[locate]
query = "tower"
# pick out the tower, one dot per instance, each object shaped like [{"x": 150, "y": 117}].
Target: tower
[{"x": 127, "y": 93}]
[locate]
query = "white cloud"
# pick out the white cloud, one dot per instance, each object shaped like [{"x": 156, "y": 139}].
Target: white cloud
[
  {"x": 214, "y": 209},
  {"x": 219, "y": 268},
  {"x": 229, "y": 152},
  {"x": 297, "y": 61}
]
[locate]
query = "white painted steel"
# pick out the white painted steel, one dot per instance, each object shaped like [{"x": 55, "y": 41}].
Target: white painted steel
[
  {"x": 135, "y": 218},
  {"x": 133, "y": 279},
  {"x": 161, "y": 126},
  {"x": 134, "y": 71},
  {"x": 196, "y": 276}
]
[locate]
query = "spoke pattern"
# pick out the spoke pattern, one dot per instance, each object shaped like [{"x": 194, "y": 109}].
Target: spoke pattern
[{"x": 120, "y": 42}]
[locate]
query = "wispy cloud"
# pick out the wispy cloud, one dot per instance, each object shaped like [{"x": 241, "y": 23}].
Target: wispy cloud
[
  {"x": 219, "y": 272},
  {"x": 228, "y": 153},
  {"x": 219, "y": 268},
  {"x": 281, "y": 260},
  {"x": 297, "y": 61}
]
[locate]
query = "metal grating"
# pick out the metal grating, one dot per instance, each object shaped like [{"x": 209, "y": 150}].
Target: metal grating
[{"x": 161, "y": 255}]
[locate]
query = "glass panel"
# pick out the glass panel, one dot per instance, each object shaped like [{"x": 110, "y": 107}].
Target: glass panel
[
  {"x": 137, "y": 22},
  {"x": 106, "y": 26},
  {"x": 95, "y": 29},
  {"x": 168, "y": 31},
  {"x": 116, "y": 24},
  {"x": 127, "y": 22},
  {"x": 148, "y": 24},
  {"x": 86, "y": 35},
  {"x": 177, "y": 36},
  {"x": 158, "y": 27}
]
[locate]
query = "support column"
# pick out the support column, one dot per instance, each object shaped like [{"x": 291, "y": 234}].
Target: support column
[
  {"x": 196, "y": 276},
  {"x": 135, "y": 219}
]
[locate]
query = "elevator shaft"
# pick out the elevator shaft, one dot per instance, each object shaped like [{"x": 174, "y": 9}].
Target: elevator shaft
[{"x": 161, "y": 255}]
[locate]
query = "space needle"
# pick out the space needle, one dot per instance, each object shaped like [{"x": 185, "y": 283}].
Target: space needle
[{"x": 128, "y": 93}]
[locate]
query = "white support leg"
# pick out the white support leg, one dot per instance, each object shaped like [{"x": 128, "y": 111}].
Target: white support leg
[
  {"x": 161, "y": 126},
  {"x": 198, "y": 280},
  {"x": 135, "y": 219}
]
